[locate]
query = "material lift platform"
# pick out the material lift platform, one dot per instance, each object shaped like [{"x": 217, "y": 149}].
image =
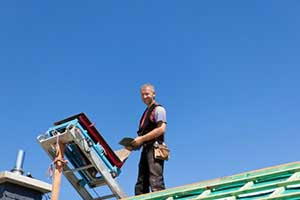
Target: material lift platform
[{"x": 91, "y": 163}]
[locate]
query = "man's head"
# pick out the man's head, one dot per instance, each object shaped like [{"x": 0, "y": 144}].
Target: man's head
[{"x": 148, "y": 94}]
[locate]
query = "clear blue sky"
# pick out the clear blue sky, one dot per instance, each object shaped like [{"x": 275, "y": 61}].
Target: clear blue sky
[{"x": 226, "y": 71}]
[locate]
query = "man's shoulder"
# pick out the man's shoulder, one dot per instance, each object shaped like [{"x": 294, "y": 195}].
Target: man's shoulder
[
  {"x": 160, "y": 114},
  {"x": 158, "y": 105},
  {"x": 160, "y": 108}
]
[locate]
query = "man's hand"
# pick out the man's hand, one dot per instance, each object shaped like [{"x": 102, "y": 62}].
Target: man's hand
[{"x": 137, "y": 142}]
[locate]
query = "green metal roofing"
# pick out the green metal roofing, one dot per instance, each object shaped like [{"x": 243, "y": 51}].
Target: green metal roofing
[{"x": 274, "y": 183}]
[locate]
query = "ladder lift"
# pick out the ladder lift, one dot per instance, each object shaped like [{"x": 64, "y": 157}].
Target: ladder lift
[{"x": 91, "y": 163}]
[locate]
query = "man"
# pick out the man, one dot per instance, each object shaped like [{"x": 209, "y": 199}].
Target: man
[{"x": 152, "y": 128}]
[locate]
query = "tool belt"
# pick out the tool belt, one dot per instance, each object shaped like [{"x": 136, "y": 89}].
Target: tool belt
[{"x": 161, "y": 151}]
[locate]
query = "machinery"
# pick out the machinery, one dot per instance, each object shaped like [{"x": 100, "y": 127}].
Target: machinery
[{"x": 80, "y": 152}]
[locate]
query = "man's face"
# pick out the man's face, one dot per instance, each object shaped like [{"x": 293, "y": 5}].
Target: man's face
[{"x": 147, "y": 95}]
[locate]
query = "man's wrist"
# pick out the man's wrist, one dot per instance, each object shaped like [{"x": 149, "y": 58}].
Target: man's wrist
[{"x": 142, "y": 138}]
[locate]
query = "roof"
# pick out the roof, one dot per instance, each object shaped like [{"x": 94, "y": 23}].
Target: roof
[{"x": 273, "y": 183}]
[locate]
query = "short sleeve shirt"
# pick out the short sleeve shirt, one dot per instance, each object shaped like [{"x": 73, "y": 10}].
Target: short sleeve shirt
[{"x": 159, "y": 114}]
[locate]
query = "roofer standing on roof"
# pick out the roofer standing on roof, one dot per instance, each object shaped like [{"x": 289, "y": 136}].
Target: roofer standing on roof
[{"x": 152, "y": 128}]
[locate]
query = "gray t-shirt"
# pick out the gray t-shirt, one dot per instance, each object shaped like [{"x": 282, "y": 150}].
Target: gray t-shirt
[{"x": 160, "y": 114}]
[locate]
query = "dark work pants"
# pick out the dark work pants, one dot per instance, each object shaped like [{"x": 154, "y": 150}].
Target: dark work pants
[{"x": 150, "y": 172}]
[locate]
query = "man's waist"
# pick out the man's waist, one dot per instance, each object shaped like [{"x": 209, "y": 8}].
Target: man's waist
[{"x": 151, "y": 142}]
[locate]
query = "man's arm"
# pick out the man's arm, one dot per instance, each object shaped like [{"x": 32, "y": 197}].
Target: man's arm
[{"x": 155, "y": 133}]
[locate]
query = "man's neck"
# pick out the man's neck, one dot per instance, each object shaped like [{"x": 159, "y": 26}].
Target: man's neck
[{"x": 153, "y": 102}]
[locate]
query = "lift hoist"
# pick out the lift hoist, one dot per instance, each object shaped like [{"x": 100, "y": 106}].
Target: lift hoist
[{"x": 79, "y": 152}]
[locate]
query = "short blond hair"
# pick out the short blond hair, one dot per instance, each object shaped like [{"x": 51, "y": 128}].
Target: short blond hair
[{"x": 148, "y": 85}]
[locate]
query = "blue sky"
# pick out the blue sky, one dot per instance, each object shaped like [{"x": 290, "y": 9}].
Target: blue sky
[{"x": 226, "y": 71}]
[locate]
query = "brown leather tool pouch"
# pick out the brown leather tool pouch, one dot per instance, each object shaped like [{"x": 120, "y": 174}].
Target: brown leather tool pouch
[{"x": 161, "y": 151}]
